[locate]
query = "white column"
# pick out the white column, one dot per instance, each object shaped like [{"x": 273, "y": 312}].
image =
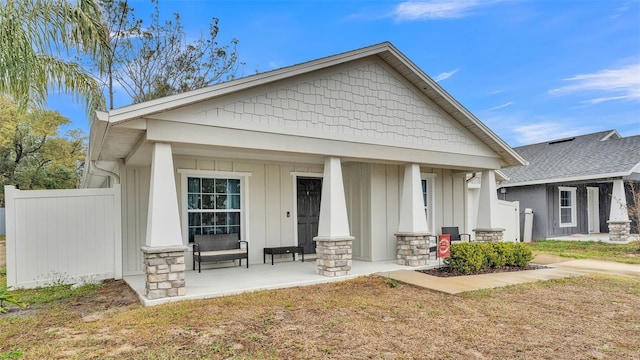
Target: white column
[
  {"x": 619, "y": 210},
  {"x": 412, "y": 216},
  {"x": 163, "y": 221},
  {"x": 333, "y": 222},
  {"x": 488, "y": 202}
]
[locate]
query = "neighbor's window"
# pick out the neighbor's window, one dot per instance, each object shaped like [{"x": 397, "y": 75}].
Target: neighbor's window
[
  {"x": 213, "y": 206},
  {"x": 567, "y": 206}
]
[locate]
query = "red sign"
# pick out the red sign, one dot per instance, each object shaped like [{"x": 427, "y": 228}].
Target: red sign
[{"x": 444, "y": 244}]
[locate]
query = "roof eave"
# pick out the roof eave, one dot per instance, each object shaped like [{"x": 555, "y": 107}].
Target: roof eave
[{"x": 566, "y": 179}]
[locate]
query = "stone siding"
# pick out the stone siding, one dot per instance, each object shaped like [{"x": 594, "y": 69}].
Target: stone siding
[
  {"x": 412, "y": 249},
  {"x": 619, "y": 230},
  {"x": 492, "y": 235},
  {"x": 164, "y": 271},
  {"x": 333, "y": 257}
]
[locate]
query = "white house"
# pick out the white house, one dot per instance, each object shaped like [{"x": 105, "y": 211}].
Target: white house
[{"x": 350, "y": 149}]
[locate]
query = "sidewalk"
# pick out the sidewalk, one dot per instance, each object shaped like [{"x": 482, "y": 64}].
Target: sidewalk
[{"x": 558, "y": 268}]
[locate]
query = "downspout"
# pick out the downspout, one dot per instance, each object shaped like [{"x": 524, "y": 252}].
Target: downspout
[{"x": 100, "y": 171}]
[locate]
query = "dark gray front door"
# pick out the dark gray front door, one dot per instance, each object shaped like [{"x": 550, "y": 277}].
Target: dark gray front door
[{"x": 309, "y": 190}]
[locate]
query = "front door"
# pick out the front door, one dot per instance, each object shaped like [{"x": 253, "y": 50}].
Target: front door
[
  {"x": 593, "y": 209},
  {"x": 308, "y": 190}
]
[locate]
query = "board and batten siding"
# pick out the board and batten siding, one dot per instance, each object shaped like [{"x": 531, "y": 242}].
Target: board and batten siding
[
  {"x": 372, "y": 193},
  {"x": 270, "y": 191},
  {"x": 63, "y": 236}
]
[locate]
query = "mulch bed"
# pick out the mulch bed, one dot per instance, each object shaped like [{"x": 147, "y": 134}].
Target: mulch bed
[{"x": 449, "y": 272}]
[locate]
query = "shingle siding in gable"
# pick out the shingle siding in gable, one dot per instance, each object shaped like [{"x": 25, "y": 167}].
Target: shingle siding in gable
[{"x": 366, "y": 102}]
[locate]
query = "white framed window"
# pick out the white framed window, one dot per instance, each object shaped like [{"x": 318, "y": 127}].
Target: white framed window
[
  {"x": 214, "y": 203},
  {"x": 567, "y": 206},
  {"x": 427, "y": 197}
]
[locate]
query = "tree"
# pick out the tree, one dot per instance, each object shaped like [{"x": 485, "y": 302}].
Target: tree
[
  {"x": 32, "y": 153},
  {"x": 156, "y": 60},
  {"x": 35, "y": 35}
]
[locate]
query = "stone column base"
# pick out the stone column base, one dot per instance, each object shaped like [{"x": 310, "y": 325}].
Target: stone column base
[
  {"x": 333, "y": 255},
  {"x": 619, "y": 230},
  {"x": 164, "y": 269},
  {"x": 493, "y": 235},
  {"x": 412, "y": 249}
]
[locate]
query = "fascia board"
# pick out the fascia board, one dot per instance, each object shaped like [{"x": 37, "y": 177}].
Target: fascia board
[
  {"x": 97, "y": 134},
  {"x": 447, "y": 97},
  {"x": 566, "y": 179}
]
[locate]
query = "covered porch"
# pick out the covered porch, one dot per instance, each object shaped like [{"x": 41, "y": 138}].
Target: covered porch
[{"x": 234, "y": 280}]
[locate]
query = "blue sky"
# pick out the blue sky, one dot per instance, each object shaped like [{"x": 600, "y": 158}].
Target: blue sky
[{"x": 530, "y": 70}]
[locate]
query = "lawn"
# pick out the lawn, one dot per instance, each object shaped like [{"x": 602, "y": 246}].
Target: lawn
[
  {"x": 624, "y": 253},
  {"x": 593, "y": 316},
  {"x": 364, "y": 318}
]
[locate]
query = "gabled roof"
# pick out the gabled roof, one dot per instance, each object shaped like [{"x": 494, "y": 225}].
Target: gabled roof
[
  {"x": 593, "y": 156},
  {"x": 104, "y": 121}
]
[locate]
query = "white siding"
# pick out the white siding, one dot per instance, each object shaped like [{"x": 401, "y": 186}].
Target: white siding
[{"x": 62, "y": 235}]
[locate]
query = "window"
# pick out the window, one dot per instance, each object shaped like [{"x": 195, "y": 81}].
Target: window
[
  {"x": 427, "y": 198},
  {"x": 567, "y": 197},
  {"x": 213, "y": 206}
]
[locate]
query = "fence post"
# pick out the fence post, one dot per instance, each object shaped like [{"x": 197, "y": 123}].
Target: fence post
[
  {"x": 10, "y": 216},
  {"x": 117, "y": 231}
]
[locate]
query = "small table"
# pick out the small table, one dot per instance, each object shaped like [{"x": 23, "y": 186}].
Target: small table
[{"x": 282, "y": 250}]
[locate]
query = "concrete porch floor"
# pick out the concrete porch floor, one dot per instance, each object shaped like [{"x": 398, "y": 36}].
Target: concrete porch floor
[{"x": 215, "y": 282}]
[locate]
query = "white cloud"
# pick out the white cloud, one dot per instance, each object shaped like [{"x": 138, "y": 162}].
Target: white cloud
[
  {"x": 430, "y": 10},
  {"x": 546, "y": 131},
  {"x": 500, "y": 106},
  {"x": 624, "y": 82},
  {"x": 445, "y": 75}
]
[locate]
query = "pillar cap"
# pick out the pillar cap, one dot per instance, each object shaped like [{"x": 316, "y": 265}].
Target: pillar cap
[
  {"x": 488, "y": 230},
  {"x": 412, "y": 234},
  {"x": 618, "y": 221},
  {"x": 162, "y": 249},
  {"x": 333, "y": 238}
]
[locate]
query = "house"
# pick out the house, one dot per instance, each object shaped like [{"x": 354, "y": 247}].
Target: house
[
  {"x": 343, "y": 155},
  {"x": 577, "y": 185}
]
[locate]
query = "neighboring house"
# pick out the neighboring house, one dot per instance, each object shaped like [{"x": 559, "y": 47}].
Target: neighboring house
[
  {"x": 576, "y": 185},
  {"x": 344, "y": 154}
]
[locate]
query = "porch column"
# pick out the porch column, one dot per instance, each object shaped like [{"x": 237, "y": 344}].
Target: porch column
[
  {"x": 619, "y": 223},
  {"x": 334, "y": 240},
  {"x": 487, "y": 228},
  {"x": 163, "y": 251},
  {"x": 412, "y": 238}
]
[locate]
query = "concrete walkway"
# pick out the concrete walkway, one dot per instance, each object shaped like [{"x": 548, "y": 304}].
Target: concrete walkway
[{"x": 558, "y": 268}]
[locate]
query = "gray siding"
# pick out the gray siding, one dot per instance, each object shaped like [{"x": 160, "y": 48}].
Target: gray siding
[{"x": 535, "y": 198}]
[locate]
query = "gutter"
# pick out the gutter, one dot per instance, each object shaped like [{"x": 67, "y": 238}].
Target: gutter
[{"x": 100, "y": 171}]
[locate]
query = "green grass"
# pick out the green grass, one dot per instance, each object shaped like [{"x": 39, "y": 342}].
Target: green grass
[
  {"x": 623, "y": 253},
  {"x": 44, "y": 295},
  {"x": 3, "y": 276}
]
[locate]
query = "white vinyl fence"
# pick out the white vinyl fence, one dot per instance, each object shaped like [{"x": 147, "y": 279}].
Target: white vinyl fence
[
  {"x": 62, "y": 236},
  {"x": 509, "y": 215}
]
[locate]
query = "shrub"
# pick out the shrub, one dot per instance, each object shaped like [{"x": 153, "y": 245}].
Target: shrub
[
  {"x": 469, "y": 257},
  {"x": 503, "y": 254},
  {"x": 522, "y": 255},
  {"x": 466, "y": 257}
]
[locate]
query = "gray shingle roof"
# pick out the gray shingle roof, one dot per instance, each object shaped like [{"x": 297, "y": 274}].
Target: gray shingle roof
[{"x": 580, "y": 157}]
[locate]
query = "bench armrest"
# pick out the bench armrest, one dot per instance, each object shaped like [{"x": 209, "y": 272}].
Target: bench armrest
[
  {"x": 196, "y": 247},
  {"x": 246, "y": 243}
]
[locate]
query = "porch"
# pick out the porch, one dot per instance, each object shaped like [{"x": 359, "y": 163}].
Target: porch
[{"x": 233, "y": 280}]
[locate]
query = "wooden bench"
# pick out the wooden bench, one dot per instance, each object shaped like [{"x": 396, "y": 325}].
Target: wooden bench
[{"x": 219, "y": 247}]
